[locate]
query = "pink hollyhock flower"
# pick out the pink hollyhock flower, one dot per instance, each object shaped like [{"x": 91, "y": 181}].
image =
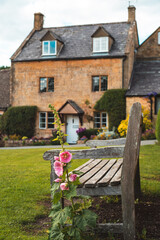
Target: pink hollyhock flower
[
  {"x": 58, "y": 180},
  {"x": 56, "y": 158},
  {"x": 72, "y": 177},
  {"x": 58, "y": 167},
  {"x": 64, "y": 186},
  {"x": 65, "y": 157}
]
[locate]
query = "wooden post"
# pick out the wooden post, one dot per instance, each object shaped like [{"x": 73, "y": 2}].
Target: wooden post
[{"x": 130, "y": 167}]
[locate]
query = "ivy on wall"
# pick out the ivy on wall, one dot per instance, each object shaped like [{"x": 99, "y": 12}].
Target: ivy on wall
[{"x": 113, "y": 102}]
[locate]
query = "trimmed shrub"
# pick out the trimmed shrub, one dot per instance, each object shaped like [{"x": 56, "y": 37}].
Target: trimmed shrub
[
  {"x": 86, "y": 132},
  {"x": 158, "y": 127},
  {"x": 19, "y": 121},
  {"x": 114, "y": 103}
]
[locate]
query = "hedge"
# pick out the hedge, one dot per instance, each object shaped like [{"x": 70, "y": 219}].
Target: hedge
[
  {"x": 19, "y": 121},
  {"x": 114, "y": 103}
]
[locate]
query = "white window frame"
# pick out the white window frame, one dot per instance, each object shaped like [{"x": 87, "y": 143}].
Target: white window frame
[
  {"x": 49, "y": 53},
  {"x": 159, "y": 38},
  {"x": 46, "y": 121},
  {"x": 40, "y": 119},
  {"x": 99, "y": 41}
]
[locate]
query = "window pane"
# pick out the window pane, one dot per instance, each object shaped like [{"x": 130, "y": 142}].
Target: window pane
[
  {"x": 50, "y": 84},
  {"x": 43, "y": 84},
  {"x": 50, "y": 120},
  {"x": 95, "y": 84},
  {"x": 157, "y": 104},
  {"x": 52, "y": 47},
  {"x": 104, "y": 83},
  {"x": 96, "y": 44},
  {"x": 42, "y": 120},
  {"x": 97, "y": 120},
  {"x": 104, "y": 119},
  {"x": 45, "y": 47},
  {"x": 104, "y": 44}
]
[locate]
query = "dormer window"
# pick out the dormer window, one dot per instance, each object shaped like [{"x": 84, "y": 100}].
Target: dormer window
[
  {"x": 100, "y": 44},
  {"x": 49, "y": 47}
]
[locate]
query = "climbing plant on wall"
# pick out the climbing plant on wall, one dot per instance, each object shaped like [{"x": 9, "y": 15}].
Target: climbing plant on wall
[{"x": 113, "y": 102}]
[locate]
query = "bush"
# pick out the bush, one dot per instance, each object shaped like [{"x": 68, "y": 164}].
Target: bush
[
  {"x": 147, "y": 124},
  {"x": 86, "y": 132},
  {"x": 19, "y": 121},
  {"x": 149, "y": 134},
  {"x": 158, "y": 127},
  {"x": 114, "y": 103}
]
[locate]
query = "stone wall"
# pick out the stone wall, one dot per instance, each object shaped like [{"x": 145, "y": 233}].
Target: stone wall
[{"x": 73, "y": 80}]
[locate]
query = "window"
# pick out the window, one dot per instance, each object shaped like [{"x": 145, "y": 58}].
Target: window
[
  {"x": 158, "y": 37},
  {"x": 100, "y": 119},
  {"x": 46, "y": 84},
  {"x": 99, "y": 83},
  {"x": 49, "y": 47},
  {"x": 157, "y": 104},
  {"x": 46, "y": 120},
  {"x": 100, "y": 44}
]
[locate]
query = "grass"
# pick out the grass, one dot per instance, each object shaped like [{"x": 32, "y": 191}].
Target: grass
[
  {"x": 150, "y": 169},
  {"x": 25, "y": 189},
  {"x": 25, "y": 186}
]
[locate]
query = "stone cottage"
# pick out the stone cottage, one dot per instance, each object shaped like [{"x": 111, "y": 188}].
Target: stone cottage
[{"x": 71, "y": 67}]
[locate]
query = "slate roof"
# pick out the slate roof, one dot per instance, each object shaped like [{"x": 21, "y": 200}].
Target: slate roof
[
  {"x": 77, "y": 42},
  {"x": 74, "y": 105},
  {"x": 146, "y": 78},
  {"x": 4, "y": 89}
]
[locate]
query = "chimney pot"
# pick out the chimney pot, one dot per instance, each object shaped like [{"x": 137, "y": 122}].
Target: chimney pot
[
  {"x": 38, "y": 21},
  {"x": 131, "y": 13}
]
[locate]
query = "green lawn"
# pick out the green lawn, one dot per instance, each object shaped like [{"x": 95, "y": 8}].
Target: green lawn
[{"x": 25, "y": 188}]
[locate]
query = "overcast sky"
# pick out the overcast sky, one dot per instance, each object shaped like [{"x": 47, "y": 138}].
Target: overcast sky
[{"x": 16, "y": 17}]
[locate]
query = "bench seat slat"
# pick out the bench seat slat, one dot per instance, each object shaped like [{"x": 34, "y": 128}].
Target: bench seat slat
[
  {"x": 110, "y": 174},
  {"x": 106, "y": 166},
  {"x": 84, "y": 165},
  {"x": 117, "y": 177},
  {"x": 89, "y": 171}
]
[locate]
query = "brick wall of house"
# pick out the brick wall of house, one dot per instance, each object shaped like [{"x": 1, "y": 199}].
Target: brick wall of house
[
  {"x": 73, "y": 80},
  {"x": 150, "y": 48}
]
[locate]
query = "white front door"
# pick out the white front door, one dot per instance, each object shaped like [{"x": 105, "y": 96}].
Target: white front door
[{"x": 72, "y": 126}]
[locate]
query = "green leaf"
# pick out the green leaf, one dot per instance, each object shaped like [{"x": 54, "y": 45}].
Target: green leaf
[
  {"x": 75, "y": 233},
  {"x": 55, "y": 186},
  {"x": 77, "y": 172},
  {"x": 56, "y": 233},
  {"x": 66, "y": 143},
  {"x": 60, "y": 215},
  {"x": 56, "y": 197},
  {"x": 85, "y": 219},
  {"x": 72, "y": 192}
]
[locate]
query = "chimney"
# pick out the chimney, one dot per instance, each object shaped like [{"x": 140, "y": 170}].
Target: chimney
[
  {"x": 131, "y": 14},
  {"x": 38, "y": 21}
]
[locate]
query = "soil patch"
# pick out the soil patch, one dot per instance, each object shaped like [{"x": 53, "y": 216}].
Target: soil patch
[{"x": 108, "y": 209}]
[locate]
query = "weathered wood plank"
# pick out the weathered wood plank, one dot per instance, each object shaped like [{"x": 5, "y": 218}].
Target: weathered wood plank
[
  {"x": 85, "y": 164},
  {"x": 110, "y": 174},
  {"x": 130, "y": 161},
  {"x": 117, "y": 177},
  {"x": 109, "y": 227},
  {"x": 89, "y": 171},
  {"x": 100, "y": 191},
  {"x": 106, "y": 152},
  {"x": 100, "y": 171}
]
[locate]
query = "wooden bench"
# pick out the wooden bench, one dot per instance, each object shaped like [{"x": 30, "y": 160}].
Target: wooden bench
[{"x": 117, "y": 176}]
